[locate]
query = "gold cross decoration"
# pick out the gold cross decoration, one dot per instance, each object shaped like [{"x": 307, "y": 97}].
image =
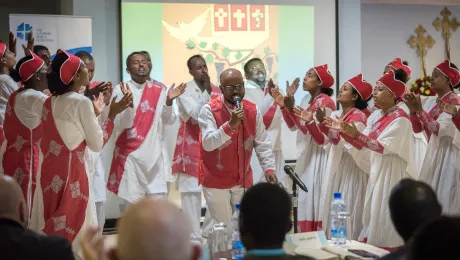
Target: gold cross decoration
[
  {"x": 422, "y": 44},
  {"x": 446, "y": 25}
]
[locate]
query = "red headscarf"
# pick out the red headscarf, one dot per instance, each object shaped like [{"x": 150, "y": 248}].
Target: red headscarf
[
  {"x": 30, "y": 67},
  {"x": 452, "y": 73},
  {"x": 69, "y": 67},
  {"x": 396, "y": 86},
  {"x": 397, "y": 64},
  {"x": 364, "y": 88},
  {"x": 324, "y": 75},
  {"x": 2, "y": 49}
]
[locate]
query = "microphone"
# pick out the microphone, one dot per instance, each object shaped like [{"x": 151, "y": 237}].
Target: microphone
[
  {"x": 295, "y": 178},
  {"x": 237, "y": 101}
]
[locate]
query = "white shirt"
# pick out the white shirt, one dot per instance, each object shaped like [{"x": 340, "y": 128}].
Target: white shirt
[
  {"x": 75, "y": 121},
  {"x": 213, "y": 137},
  {"x": 28, "y": 107},
  {"x": 191, "y": 101},
  {"x": 7, "y": 86}
]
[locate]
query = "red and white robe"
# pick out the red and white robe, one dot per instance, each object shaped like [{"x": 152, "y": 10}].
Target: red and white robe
[
  {"x": 312, "y": 161},
  {"x": 140, "y": 164},
  {"x": 387, "y": 143},
  {"x": 441, "y": 165},
  {"x": 186, "y": 161},
  {"x": 22, "y": 157},
  {"x": 67, "y": 204},
  {"x": 347, "y": 172},
  {"x": 272, "y": 118},
  {"x": 225, "y": 158}
]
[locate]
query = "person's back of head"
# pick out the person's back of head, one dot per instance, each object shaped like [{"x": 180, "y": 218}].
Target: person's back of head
[
  {"x": 265, "y": 216},
  {"x": 154, "y": 229},
  {"x": 12, "y": 203},
  {"x": 412, "y": 203},
  {"x": 437, "y": 239}
]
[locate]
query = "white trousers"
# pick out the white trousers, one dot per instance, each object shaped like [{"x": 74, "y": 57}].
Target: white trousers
[
  {"x": 222, "y": 203},
  {"x": 191, "y": 206},
  {"x": 100, "y": 213}
]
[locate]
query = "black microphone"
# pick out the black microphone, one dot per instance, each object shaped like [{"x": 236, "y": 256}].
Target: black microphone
[
  {"x": 237, "y": 101},
  {"x": 295, "y": 178}
]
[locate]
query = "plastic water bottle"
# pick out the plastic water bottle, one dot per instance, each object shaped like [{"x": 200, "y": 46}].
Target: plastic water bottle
[
  {"x": 237, "y": 246},
  {"x": 339, "y": 216}
]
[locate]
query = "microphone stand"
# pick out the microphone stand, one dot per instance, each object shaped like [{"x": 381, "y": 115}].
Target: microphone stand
[{"x": 295, "y": 203}]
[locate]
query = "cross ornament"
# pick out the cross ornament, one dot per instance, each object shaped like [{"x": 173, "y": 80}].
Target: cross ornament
[
  {"x": 446, "y": 25},
  {"x": 422, "y": 44}
]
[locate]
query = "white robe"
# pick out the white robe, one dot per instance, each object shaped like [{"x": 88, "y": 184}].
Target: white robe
[
  {"x": 441, "y": 168},
  {"x": 148, "y": 168},
  {"x": 387, "y": 169},
  {"x": 7, "y": 86},
  {"x": 256, "y": 95},
  {"x": 419, "y": 140},
  {"x": 347, "y": 172}
]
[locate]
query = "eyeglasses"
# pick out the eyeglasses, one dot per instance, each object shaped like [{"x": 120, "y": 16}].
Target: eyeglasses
[{"x": 230, "y": 88}]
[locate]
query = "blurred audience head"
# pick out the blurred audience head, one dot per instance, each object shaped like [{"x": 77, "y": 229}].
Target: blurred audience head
[
  {"x": 265, "y": 217},
  {"x": 437, "y": 239},
  {"x": 12, "y": 203},
  {"x": 412, "y": 203},
  {"x": 154, "y": 230}
]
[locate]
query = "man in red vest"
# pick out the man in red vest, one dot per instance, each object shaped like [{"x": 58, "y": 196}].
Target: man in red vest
[{"x": 229, "y": 133}]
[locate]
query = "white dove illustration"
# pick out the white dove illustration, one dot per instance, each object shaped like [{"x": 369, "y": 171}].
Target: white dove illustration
[{"x": 187, "y": 31}]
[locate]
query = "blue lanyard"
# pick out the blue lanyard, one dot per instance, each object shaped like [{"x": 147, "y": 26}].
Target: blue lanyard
[{"x": 266, "y": 252}]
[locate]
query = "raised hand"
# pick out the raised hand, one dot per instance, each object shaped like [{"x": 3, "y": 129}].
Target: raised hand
[
  {"x": 413, "y": 102},
  {"x": 271, "y": 178},
  {"x": 237, "y": 117},
  {"x": 99, "y": 89},
  {"x": 292, "y": 88},
  {"x": 126, "y": 90},
  {"x": 12, "y": 42},
  {"x": 447, "y": 108},
  {"x": 26, "y": 50},
  {"x": 30, "y": 41},
  {"x": 98, "y": 104},
  {"x": 289, "y": 102},
  {"x": 108, "y": 93},
  {"x": 278, "y": 97},
  {"x": 334, "y": 124},
  {"x": 304, "y": 114},
  {"x": 174, "y": 92},
  {"x": 271, "y": 86},
  {"x": 120, "y": 106},
  {"x": 349, "y": 129},
  {"x": 320, "y": 114}
]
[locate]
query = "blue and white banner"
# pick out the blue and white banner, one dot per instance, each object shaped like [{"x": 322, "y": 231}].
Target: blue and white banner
[{"x": 70, "y": 33}]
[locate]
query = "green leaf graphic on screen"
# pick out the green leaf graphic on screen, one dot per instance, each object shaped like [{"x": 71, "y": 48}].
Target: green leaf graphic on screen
[
  {"x": 239, "y": 55},
  {"x": 267, "y": 50},
  {"x": 209, "y": 58},
  {"x": 276, "y": 58},
  {"x": 203, "y": 45},
  {"x": 215, "y": 46},
  {"x": 190, "y": 45},
  {"x": 225, "y": 52},
  {"x": 275, "y": 77}
]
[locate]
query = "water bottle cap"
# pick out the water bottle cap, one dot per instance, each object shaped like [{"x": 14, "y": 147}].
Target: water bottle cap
[
  {"x": 337, "y": 195},
  {"x": 237, "y": 206}
]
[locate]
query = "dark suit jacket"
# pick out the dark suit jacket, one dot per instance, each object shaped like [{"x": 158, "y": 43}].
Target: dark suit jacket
[
  {"x": 398, "y": 254},
  {"x": 18, "y": 243}
]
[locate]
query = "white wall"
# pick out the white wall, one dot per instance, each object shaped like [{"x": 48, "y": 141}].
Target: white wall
[
  {"x": 386, "y": 30},
  {"x": 349, "y": 39}
]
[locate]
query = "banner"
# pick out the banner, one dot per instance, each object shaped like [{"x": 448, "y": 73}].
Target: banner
[{"x": 70, "y": 33}]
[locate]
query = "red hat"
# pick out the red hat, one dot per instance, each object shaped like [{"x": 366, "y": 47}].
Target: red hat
[
  {"x": 30, "y": 67},
  {"x": 397, "y": 87},
  {"x": 397, "y": 64},
  {"x": 363, "y": 87},
  {"x": 69, "y": 68},
  {"x": 2, "y": 49},
  {"x": 324, "y": 75},
  {"x": 452, "y": 73}
]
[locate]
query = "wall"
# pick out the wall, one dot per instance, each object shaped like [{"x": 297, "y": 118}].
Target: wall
[
  {"x": 386, "y": 30},
  {"x": 24, "y": 7}
]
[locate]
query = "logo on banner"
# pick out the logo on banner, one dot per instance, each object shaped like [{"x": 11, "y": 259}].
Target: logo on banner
[
  {"x": 239, "y": 18},
  {"x": 22, "y": 31}
]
